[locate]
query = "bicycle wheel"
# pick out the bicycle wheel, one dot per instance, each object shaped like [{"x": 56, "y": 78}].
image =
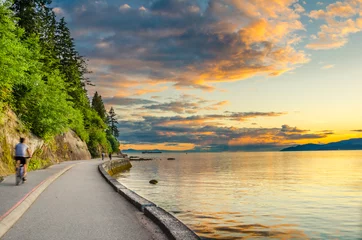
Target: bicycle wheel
[{"x": 18, "y": 177}]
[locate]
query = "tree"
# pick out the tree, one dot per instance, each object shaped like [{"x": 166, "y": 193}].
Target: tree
[
  {"x": 112, "y": 123},
  {"x": 15, "y": 58},
  {"x": 98, "y": 106},
  {"x": 43, "y": 77},
  {"x": 72, "y": 65}
]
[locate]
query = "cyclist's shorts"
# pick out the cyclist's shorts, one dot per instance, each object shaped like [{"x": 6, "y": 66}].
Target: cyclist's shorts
[{"x": 21, "y": 159}]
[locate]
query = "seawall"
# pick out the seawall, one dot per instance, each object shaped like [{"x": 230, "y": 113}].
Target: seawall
[{"x": 169, "y": 224}]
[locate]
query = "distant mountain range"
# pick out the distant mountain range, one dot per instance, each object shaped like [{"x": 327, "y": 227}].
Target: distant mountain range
[{"x": 351, "y": 144}]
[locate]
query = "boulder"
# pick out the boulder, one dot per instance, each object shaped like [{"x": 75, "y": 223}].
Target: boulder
[{"x": 153, "y": 181}]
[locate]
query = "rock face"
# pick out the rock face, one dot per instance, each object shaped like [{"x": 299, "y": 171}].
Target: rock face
[
  {"x": 67, "y": 146},
  {"x": 71, "y": 147},
  {"x": 11, "y": 129}
]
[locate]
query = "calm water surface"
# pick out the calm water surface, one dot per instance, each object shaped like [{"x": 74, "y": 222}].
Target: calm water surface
[{"x": 279, "y": 195}]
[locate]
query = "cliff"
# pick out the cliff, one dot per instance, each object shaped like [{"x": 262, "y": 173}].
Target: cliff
[{"x": 67, "y": 146}]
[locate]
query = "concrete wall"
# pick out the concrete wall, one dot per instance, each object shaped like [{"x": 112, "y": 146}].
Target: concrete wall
[
  {"x": 116, "y": 166},
  {"x": 169, "y": 224}
]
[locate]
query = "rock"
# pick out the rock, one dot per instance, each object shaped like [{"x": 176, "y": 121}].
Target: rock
[
  {"x": 171, "y": 158},
  {"x": 153, "y": 181},
  {"x": 71, "y": 147},
  {"x": 67, "y": 146}
]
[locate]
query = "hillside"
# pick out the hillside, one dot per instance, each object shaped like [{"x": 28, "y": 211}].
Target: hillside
[
  {"x": 351, "y": 144},
  {"x": 43, "y": 90},
  {"x": 64, "y": 147}
]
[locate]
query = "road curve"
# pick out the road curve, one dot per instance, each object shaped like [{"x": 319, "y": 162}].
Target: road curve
[{"x": 80, "y": 204}]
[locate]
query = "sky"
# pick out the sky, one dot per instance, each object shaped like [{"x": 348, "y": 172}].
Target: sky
[{"x": 223, "y": 75}]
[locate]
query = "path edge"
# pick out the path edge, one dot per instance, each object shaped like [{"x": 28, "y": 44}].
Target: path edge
[
  {"x": 170, "y": 225},
  {"x": 15, "y": 213}
]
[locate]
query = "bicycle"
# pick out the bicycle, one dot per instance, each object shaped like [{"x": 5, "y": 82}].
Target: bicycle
[{"x": 20, "y": 174}]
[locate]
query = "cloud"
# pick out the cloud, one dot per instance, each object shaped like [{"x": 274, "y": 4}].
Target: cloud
[
  {"x": 328, "y": 66},
  {"x": 143, "y": 91},
  {"x": 121, "y": 101},
  {"x": 357, "y": 130},
  {"x": 124, "y": 7},
  {"x": 196, "y": 130},
  {"x": 102, "y": 45},
  {"x": 341, "y": 21},
  {"x": 299, "y": 8},
  {"x": 176, "y": 107},
  {"x": 58, "y": 11},
  {"x": 288, "y": 129},
  {"x": 218, "y": 105},
  {"x": 189, "y": 44},
  {"x": 187, "y": 104}
]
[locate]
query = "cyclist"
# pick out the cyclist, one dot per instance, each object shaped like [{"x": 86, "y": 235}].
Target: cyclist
[{"x": 21, "y": 152}]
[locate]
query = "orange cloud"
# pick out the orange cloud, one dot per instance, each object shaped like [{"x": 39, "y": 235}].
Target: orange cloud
[
  {"x": 334, "y": 34},
  {"x": 143, "y": 91},
  {"x": 163, "y": 146},
  {"x": 245, "y": 39},
  {"x": 338, "y": 9},
  {"x": 328, "y": 66}
]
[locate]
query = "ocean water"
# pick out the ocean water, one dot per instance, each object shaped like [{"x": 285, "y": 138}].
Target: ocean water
[{"x": 274, "y": 195}]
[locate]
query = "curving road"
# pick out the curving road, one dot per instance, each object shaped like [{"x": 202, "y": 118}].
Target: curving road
[{"x": 78, "y": 205}]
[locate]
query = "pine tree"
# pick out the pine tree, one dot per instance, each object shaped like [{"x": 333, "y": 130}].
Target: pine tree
[
  {"x": 48, "y": 40},
  {"x": 38, "y": 21},
  {"x": 28, "y": 13},
  {"x": 98, "y": 106},
  {"x": 112, "y": 121},
  {"x": 15, "y": 58},
  {"x": 72, "y": 65}
]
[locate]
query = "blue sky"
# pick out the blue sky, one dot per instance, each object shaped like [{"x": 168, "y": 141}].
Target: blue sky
[{"x": 179, "y": 71}]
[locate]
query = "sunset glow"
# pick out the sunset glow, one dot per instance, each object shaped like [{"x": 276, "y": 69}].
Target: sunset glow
[{"x": 247, "y": 75}]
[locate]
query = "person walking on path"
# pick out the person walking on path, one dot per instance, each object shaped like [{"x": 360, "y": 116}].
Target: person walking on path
[
  {"x": 103, "y": 155},
  {"x": 110, "y": 156},
  {"x": 22, "y": 151}
]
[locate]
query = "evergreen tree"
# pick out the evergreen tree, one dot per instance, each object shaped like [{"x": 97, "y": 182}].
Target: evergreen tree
[
  {"x": 72, "y": 65},
  {"x": 43, "y": 77},
  {"x": 29, "y": 14},
  {"x": 98, "y": 106},
  {"x": 15, "y": 58},
  {"x": 48, "y": 40},
  {"x": 112, "y": 121}
]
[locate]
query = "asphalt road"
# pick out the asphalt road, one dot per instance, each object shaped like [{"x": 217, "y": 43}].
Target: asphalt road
[
  {"x": 11, "y": 194},
  {"x": 81, "y": 205}
]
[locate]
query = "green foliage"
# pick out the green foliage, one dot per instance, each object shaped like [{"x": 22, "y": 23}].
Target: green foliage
[
  {"x": 98, "y": 106},
  {"x": 42, "y": 78},
  {"x": 38, "y": 163},
  {"x": 114, "y": 144},
  {"x": 112, "y": 122},
  {"x": 97, "y": 142},
  {"x": 48, "y": 111},
  {"x": 14, "y": 56}
]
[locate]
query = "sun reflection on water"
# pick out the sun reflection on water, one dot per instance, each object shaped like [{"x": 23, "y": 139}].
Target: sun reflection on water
[{"x": 295, "y": 195}]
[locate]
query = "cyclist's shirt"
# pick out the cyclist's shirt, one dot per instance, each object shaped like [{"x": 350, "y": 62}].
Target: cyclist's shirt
[{"x": 20, "y": 150}]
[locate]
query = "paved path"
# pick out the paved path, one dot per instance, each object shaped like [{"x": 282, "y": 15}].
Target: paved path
[
  {"x": 78, "y": 205},
  {"x": 11, "y": 194}
]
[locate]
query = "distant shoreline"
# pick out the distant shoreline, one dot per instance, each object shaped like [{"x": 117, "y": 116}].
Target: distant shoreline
[{"x": 354, "y": 144}]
